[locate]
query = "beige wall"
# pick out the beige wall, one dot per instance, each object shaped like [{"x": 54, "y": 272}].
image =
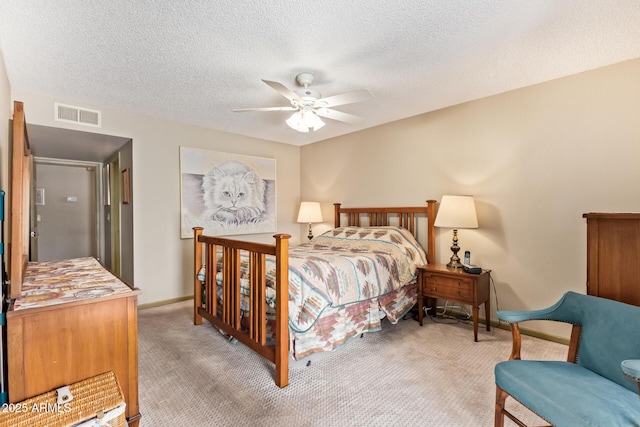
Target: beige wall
[
  {"x": 162, "y": 261},
  {"x": 535, "y": 159}
]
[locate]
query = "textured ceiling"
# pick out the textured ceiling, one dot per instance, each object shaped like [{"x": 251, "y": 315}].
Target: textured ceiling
[{"x": 195, "y": 61}]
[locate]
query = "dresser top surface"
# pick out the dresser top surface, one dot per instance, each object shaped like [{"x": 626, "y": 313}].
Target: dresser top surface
[
  {"x": 612, "y": 215},
  {"x": 49, "y": 283}
]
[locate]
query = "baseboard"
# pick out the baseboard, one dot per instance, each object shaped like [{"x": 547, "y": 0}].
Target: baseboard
[
  {"x": 524, "y": 331},
  {"x": 530, "y": 332},
  {"x": 163, "y": 302}
]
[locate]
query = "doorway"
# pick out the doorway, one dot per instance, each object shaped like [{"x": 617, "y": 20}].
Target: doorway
[
  {"x": 109, "y": 154},
  {"x": 68, "y": 218}
]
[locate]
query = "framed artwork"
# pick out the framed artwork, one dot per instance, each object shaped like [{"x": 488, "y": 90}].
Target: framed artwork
[
  {"x": 126, "y": 186},
  {"x": 226, "y": 193}
]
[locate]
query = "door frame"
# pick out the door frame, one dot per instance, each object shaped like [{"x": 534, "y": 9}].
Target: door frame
[{"x": 115, "y": 230}]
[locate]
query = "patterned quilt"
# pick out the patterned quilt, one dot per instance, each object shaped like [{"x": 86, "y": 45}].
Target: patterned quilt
[
  {"x": 347, "y": 265},
  {"x": 343, "y": 266}
]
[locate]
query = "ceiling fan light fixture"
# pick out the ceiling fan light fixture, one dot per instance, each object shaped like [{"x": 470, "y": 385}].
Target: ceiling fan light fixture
[
  {"x": 318, "y": 124},
  {"x": 304, "y": 120},
  {"x": 296, "y": 122},
  {"x": 311, "y": 120}
]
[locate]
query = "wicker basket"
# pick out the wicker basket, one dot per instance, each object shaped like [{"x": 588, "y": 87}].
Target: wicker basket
[{"x": 91, "y": 397}]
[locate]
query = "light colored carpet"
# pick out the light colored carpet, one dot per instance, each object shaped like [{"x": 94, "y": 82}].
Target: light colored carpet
[{"x": 434, "y": 375}]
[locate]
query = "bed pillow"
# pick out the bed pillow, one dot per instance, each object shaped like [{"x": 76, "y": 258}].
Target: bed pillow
[{"x": 397, "y": 236}]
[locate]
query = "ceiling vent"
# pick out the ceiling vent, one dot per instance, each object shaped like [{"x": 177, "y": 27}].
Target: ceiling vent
[{"x": 78, "y": 115}]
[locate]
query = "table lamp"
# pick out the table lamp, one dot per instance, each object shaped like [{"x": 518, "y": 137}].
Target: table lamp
[
  {"x": 310, "y": 213},
  {"x": 456, "y": 212}
]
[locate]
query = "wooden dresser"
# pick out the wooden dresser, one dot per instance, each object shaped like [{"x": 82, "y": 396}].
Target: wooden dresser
[
  {"x": 73, "y": 320},
  {"x": 613, "y": 256}
]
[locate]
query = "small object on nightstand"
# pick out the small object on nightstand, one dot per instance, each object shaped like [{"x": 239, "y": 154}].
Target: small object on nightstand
[{"x": 471, "y": 269}]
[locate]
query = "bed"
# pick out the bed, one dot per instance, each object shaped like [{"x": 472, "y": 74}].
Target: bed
[{"x": 338, "y": 285}]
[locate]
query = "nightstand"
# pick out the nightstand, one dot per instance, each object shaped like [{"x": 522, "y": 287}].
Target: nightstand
[{"x": 453, "y": 284}]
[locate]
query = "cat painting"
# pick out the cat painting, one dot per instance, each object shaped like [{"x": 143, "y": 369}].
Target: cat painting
[{"x": 233, "y": 194}]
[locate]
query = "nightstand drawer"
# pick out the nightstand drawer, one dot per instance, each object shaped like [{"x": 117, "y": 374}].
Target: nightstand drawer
[
  {"x": 464, "y": 293},
  {"x": 454, "y": 282}
]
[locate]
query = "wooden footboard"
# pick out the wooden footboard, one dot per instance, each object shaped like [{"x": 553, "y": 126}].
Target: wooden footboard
[{"x": 227, "y": 317}]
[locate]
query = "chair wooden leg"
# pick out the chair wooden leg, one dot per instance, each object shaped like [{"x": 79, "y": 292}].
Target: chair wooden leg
[{"x": 501, "y": 397}]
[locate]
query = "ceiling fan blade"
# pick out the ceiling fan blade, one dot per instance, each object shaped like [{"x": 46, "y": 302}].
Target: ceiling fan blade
[
  {"x": 282, "y": 90},
  {"x": 337, "y": 115},
  {"x": 344, "y": 98},
  {"x": 266, "y": 109}
]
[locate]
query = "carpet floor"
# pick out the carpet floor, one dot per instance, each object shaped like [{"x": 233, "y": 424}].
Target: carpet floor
[{"x": 434, "y": 375}]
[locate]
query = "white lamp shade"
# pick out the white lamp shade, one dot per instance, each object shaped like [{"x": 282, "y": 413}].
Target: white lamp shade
[
  {"x": 457, "y": 212},
  {"x": 295, "y": 122},
  {"x": 302, "y": 121},
  {"x": 310, "y": 212}
]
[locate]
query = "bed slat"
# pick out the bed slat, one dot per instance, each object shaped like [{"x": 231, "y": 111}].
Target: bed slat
[
  {"x": 230, "y": 287},
  {"x": 210, "y": 273},
  {"x": 257, "y": 295}
]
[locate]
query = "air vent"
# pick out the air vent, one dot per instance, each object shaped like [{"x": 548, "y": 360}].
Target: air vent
[{"x": 78, "y": 115}]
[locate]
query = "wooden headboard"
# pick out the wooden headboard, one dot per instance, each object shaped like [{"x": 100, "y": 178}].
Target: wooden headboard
[
  {"x": 21, "y": 163},
  {"x": 406, "y": 217}
]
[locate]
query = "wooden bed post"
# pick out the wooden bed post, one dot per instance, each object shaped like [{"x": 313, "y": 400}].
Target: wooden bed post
[
  {"x": 197, "y": 284},
  {"x": 282, "y": 310},
  {"x": 336, "y": 215},
  {"x": 431, "y": 230}
]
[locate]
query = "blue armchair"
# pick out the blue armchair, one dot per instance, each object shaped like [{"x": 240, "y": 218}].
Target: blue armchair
[{"x": 598, "y": 385}]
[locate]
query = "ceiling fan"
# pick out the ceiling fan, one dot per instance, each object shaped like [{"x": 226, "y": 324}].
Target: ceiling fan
[{"x": 309, "y": 106}]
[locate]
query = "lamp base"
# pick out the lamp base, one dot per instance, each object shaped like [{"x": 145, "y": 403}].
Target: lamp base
[
  {"x": 310, "y": 235},
  {"x": 454, "y": 262}
]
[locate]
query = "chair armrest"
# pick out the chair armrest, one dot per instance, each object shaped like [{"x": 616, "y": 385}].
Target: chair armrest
[
  {"x": 520, "y": 316},
  {"x": 550, "y": 313},
  {"x": 631, "y": 368}
]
